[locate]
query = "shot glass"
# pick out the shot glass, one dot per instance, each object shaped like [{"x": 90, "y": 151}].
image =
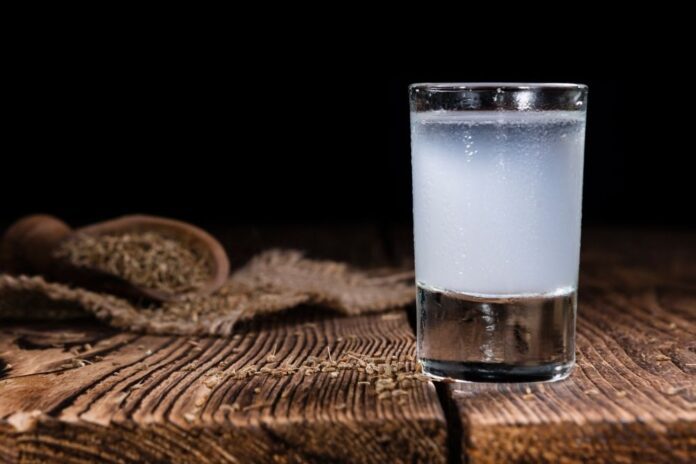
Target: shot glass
[{"x": 497, "y": 198}]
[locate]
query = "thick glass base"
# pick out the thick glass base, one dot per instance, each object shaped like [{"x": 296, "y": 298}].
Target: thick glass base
[
  {"x": 488, "y": 372},
  {"x": 520, "y": 338}
]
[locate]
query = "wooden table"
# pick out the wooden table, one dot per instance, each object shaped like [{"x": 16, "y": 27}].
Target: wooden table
[{"x": 81, "y": 392}]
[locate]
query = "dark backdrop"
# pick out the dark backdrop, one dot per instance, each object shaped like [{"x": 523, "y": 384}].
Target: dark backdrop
[{"x": 90, "y": 138}]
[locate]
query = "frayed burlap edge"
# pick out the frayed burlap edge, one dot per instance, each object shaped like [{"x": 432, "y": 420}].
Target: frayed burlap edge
[{"x": 273, "y": 281}]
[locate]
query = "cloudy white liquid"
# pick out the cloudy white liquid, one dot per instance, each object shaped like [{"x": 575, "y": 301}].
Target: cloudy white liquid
[{"x": 497, "y": 200}]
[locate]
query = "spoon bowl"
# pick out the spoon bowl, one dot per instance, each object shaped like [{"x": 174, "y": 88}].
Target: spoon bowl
[{"x": 29, "y": 247}]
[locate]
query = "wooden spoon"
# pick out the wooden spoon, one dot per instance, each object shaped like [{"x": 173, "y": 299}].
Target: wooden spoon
[{"x": 29, "y": 244}]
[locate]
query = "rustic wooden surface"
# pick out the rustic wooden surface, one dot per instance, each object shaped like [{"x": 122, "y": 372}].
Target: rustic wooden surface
[
  {"x": 168, "y": 399},
  {"x": 131, "y": 398},
  {"x": 631, "y": 399}
]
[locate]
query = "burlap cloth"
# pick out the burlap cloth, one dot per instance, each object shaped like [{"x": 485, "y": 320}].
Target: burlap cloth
[{"x": 273, "y": 281}]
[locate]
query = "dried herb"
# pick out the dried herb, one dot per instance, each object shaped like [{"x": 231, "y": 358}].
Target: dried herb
[
  {"x": 392, "y": 378},
  {"x": 146, "y": 259}
]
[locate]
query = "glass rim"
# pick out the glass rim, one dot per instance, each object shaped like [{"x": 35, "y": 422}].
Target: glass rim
[{"x": 474, "y": 86}]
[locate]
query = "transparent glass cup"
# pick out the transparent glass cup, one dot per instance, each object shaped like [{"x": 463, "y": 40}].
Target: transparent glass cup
[{"x": 497, "y": 195}]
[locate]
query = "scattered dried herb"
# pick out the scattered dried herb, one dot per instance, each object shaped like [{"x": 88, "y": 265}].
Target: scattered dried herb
[
  {"x": 75, "y": 363},
  {"x": 230, "y": 407},
  {"x": 391, "y": 378},
  {"x": 146, "y": 259}
]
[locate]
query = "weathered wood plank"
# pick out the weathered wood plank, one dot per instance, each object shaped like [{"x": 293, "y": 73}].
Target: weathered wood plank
[
  {"x": 632, "y": 397},
  {"x": 132, "y": 398}
]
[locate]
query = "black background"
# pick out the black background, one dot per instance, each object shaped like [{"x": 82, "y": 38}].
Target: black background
[{"x": 89, "y": 137}]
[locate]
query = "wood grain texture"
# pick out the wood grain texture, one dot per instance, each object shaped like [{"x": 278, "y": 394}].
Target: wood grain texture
[
  {"x": 128, "y": 398},
  {"x": 632, "y": 396},
  {"x": 631, "y": 399}
]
